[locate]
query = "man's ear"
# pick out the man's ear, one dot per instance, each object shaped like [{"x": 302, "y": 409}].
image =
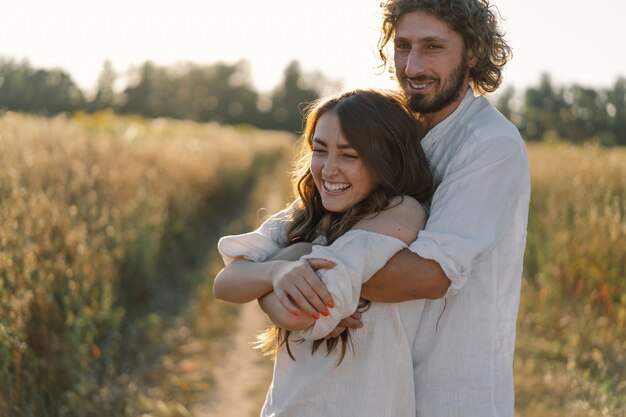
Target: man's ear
[{"x": 472, "y": 60}]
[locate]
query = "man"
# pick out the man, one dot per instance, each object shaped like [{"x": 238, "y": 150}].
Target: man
[
  {"x": 467, "y": 262},
  {"x": 469, "y": 257}
]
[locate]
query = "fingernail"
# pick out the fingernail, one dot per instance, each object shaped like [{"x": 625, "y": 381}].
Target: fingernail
[
  {"x": 325, "y": 313},
  {"x": 331, "y": 304},
  {"x": 296, "y": 313},
  {"x": 316, "y": 316}
]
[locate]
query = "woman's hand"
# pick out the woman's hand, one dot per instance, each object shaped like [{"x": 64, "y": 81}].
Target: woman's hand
[{"x": 298, "y": 288}]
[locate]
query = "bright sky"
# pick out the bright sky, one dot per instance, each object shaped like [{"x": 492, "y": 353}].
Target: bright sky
[{"x": 574, "y": 40}]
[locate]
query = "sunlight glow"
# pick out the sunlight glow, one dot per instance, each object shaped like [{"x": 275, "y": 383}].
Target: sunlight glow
[{"x": 336, "y": 38}]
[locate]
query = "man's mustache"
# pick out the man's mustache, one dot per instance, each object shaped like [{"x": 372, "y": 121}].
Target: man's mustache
[{"x": 419, "y": 78}]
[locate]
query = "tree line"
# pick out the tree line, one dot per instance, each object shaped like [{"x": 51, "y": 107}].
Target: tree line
[
  {"x": 224, "y": 93},
  {"x": 573, "y": 113},
  {"x": 221, "y": 92}
]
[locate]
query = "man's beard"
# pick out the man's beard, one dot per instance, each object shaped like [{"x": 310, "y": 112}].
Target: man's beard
[{"x": 454, "y": 82}]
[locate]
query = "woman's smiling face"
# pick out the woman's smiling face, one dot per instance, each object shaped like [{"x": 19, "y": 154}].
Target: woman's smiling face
[{"x": 339, "y": 173}]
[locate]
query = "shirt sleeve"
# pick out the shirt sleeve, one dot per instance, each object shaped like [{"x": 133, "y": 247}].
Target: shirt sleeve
[
  {"x": 358, "y": 255},
  {"x": 257, "y": 245},
  {"x": 474, "y": 206}
]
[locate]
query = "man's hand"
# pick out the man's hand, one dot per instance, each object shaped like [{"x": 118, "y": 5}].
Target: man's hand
[
  {"x": 297, "y": 287},
  {"x": 350, "y": 322}
]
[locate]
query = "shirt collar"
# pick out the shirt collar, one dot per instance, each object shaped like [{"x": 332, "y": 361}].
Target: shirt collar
[{"x": 438, "y": 131}]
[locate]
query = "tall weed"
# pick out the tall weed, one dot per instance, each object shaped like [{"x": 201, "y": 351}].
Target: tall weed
[
  {"x": 100, "y": 217},
  {"x": 572, "y": 324}
]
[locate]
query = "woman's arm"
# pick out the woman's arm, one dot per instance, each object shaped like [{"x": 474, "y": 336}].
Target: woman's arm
[
  {"x": 282, "y": 317},
  {"x": 257, "y": 263},
  {"x": 242, "y": 281},
  {"x": 272, "y": 306},
  {"x": 405, "y": 221},
  {"x": 359, "y": 255},
  {"x": 246, "y": 276}
]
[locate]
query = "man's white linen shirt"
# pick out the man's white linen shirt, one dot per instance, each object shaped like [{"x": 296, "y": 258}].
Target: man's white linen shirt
[{"x": 476, "y": 231}]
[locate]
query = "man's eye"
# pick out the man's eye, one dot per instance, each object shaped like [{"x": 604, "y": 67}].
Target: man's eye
[{"x": 402, "y": 46}]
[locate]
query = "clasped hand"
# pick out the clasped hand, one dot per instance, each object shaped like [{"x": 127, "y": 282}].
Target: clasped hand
[{"x": 299, "y": 289}]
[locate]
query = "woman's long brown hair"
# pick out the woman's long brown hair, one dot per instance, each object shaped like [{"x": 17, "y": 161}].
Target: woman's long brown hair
[{"x": 383, "y": 131}]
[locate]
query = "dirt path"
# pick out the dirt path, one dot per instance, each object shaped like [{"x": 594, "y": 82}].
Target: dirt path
[{"x": 243, "y": 375}]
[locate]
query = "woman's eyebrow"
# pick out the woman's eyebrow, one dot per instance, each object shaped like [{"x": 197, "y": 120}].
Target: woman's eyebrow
[{"x": 340, "y": 146}]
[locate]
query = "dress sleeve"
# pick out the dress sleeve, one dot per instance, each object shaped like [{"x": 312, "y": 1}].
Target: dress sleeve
[
  {"x": 257, "y": 245},
  {"x": 474, "y": 206},
  {"x": 358, "y": 255}
]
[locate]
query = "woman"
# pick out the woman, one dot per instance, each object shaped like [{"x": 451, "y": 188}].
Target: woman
[{"x": 360, "y": 180}]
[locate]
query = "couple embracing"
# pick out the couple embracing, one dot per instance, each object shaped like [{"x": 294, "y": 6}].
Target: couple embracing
[{"x": 394, "y": 277}]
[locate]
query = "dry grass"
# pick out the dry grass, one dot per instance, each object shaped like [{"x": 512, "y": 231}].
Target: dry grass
[
  {"x": 103, "y": 221},
  {"x": 571, "y": 356},
  {"x": 106, "y": 224}
]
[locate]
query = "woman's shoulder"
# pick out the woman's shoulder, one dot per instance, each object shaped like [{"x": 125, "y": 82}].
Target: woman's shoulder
[{"x": 402, "y": 219}]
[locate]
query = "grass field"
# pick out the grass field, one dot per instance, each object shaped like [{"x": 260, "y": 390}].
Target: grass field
[
  {"x": 571, "y": 350},
  {"x": 107, "y": 233},
  {"x": 106, "y": 225}
]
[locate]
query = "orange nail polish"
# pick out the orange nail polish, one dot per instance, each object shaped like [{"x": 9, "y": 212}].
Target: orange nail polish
[
  {"x": 325, "y": 313},
  {"x": 316, "y": 316}
]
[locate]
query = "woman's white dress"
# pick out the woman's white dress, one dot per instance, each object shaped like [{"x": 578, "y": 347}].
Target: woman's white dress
[{"x": 375, "y": 378}]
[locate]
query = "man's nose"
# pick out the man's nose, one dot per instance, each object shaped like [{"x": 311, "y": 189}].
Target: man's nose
[{"x": 414, "y": 63}]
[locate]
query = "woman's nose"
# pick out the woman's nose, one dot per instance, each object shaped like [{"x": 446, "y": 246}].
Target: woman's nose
[{"x": 330, "y": 167}]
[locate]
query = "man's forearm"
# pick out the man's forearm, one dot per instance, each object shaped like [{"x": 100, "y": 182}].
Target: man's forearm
[{"x": 406, "y": 276}]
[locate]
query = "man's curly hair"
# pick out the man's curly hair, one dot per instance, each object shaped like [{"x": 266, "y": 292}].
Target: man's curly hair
[{"x": 474, "y": 20}]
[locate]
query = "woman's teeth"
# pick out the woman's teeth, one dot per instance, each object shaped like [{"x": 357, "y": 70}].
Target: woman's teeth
[{"x": 335, "y": 187}]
